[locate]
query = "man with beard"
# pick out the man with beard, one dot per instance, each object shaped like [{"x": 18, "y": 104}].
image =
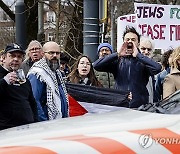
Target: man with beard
[{"x": 48, "y": 86}]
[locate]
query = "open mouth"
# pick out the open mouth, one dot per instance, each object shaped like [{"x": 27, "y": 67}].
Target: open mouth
[
  {"x": 130, "y": 45},
  {"x": 35, "y": 56},
  {"x": 84, "y": 70}
]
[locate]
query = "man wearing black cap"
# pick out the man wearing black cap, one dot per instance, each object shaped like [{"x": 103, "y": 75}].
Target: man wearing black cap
[{"x": 17, "y": 103}]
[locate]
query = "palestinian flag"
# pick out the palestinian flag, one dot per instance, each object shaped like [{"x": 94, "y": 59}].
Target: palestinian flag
[{"x": 89, "y": 99}]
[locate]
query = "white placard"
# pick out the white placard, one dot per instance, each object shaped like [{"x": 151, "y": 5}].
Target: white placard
[{"x": 160, "y": 22}]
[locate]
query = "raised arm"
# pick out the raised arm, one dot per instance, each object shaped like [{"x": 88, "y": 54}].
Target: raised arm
[{"x": 107, "y": 63}]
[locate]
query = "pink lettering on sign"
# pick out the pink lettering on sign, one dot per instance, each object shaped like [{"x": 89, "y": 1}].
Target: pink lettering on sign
[
  {"x": 155, "y": 31},
  {"x": 174, "y": 32},
  {"x": 129, "y": 19},
  {"x": 148, "y": 12}
]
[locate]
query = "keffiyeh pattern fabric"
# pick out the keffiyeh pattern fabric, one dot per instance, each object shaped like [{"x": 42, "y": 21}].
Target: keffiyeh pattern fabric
[{"x": 46, "y": 75}]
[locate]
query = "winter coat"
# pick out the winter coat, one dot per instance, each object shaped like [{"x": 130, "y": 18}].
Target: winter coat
[
  {"x": 159, "y": 84},
  {"x": 18, "y": 106},
  {"x": 171, "y": 83},
  {"x": 49, "y": 91},
  {"x": 26, "y": 65},
  {"x": 131, "y": 74}
]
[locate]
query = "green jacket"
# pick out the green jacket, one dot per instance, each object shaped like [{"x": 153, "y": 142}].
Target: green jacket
[{"x": 106, "y": 79}]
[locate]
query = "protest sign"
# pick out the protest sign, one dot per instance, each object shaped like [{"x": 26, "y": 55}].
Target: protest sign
[
  {"x": 122, "y": 22},
  {"x": 160, "y": 22}
]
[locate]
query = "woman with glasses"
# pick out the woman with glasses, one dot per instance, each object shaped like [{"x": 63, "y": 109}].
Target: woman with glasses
[
  {"x": 83, "y": 73},
  {"x": 171, "y": 82}
]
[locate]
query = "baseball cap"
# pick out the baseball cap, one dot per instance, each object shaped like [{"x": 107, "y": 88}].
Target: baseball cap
[{"x": 13, "y": 47}]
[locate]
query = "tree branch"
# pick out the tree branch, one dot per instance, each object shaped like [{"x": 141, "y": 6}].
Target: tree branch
[{"x": 7, "y": 10}]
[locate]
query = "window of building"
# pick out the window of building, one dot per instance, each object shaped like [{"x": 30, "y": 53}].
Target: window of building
[
  {"x": 51, "y": 17},
  {"x": 50, "y": 36}
]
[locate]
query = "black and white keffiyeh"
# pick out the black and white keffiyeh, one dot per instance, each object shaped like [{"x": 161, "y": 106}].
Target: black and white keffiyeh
[{"x": 46, "y": 75}]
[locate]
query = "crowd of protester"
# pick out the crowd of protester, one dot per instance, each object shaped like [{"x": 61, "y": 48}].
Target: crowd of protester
[{"x": 39, "y": 92}]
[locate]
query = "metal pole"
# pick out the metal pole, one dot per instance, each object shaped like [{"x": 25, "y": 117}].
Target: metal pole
[
  {"x": 91, "y": 28},
  {"x": 40, "y": 36},
  {"x": 57, "y": 21},
  {"x": 20, "y": 23},
  {"x": 112, "y": 23}
]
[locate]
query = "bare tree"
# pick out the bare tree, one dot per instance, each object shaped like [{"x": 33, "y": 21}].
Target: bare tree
[
  {"x": 31, "y": 18},
  {"x": 67, "y": 30},
  {"x": 7, "y": 36},
  {"x": 7, "y": 10},
  {"x": 68, "y": 27}
]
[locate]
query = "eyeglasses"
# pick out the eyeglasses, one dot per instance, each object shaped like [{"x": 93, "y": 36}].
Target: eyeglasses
[
  {"x": 143, "y": 48},
  {"x": 53, "y": 52},
  {"x": 34, "y": 49}
]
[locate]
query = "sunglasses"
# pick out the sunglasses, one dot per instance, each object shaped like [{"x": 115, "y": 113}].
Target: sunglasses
[{"x": 143, "y": 48}]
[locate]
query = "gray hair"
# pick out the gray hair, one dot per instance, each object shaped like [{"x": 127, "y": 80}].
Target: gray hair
[
  {"x": 147, "y": 39},
  {"x": 30, "y": 44}
]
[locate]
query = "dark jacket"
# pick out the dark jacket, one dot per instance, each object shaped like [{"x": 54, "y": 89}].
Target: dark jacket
[
  {"x": 26, "y": 65},
  {"x": 130, "y": 74},
  {"x": 17, "y": 103}
]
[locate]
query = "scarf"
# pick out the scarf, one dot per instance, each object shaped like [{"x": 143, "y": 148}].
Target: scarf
[{"x": 43, "y": 72}]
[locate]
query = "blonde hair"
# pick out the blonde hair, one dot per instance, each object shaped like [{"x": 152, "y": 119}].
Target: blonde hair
[{"x": 174, "y": 57}]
